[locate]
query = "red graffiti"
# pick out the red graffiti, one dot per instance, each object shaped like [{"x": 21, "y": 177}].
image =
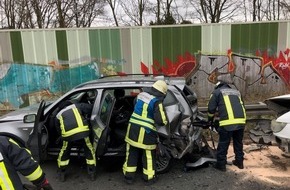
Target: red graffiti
[
  {"x": 280, "y": 64},
  {"x": 231, "y": 64},
  {"x": 185, "y": 66}
]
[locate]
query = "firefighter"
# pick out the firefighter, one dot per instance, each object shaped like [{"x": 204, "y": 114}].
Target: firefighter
[
  {"x": 13, "y": 159},
  {"x": 141, "y": 137},
  {"x": 73, "y": 122},
  {"x": 228, "y": 103}
]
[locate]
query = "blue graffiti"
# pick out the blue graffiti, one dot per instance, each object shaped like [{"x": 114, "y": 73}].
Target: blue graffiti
[{"x": 22, "y": 79}]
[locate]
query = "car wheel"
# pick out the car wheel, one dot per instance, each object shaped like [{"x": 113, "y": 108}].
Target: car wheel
[{"x": 163, "y": 163}]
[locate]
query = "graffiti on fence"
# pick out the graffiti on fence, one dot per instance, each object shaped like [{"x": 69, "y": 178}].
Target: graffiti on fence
[
  {"x": 23, "y": 84},
  {"x": 232, "y": 63},
  {"x": 248, "y": 72}
]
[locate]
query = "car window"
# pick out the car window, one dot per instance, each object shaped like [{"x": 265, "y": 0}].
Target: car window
[
  {"x": 87, "y": 96},
  {"x": 75, "y": 97},
  {"x": 106, "y": 107}
]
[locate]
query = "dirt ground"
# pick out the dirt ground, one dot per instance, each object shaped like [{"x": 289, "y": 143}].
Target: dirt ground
[
  {"x": 265, "y": 169},
  {"x": 266, "y": 163}
]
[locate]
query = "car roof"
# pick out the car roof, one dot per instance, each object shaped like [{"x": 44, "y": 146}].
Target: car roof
[{"x": 137, "y": 79}]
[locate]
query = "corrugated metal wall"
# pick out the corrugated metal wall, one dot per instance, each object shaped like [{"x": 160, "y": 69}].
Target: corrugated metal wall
[{"x": 38, "y": 63}]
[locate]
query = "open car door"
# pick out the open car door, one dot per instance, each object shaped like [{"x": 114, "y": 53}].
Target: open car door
[
  {"x": 101, "y": 123},
  {"x": 38, "y": 138}
]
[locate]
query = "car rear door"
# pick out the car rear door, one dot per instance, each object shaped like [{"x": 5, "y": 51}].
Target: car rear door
[
  {"x": 100, "y": 123},
  {"x": 38, "y": 138}
]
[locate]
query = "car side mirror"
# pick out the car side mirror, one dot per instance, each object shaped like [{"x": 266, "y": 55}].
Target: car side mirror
[{"x": 30, "y": 118}]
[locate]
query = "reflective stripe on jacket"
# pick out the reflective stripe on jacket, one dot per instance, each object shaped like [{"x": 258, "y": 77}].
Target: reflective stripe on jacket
[
  {"x": 228, "y": 103},
  {"x": 141, "y": 131},
  {"x": 72, "y": 124},
  {"x": 13, "y": 159}
]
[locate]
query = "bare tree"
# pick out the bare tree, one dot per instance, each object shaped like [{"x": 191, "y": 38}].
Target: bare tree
[
  {"x": 163, "y": 10},
  {"x": 84, "y": 12},
  {"x": 215, "y": 11},
  {"x": 134, "y": 11},
  {"x": 9, "y": 9},
  {"x": 273, "y": 10},
  {"x": 77, "y": 13},
  {"x": 44, "y": 11},
  {"x": 23, "y": 15},
  {"x": 168, "y": 18},
  {"x": 63, "y": 17},
  {"x": 158, "y": 11},
  {"x": 113, "y": 6},
  {"x": 180, "y": 12},
  {"x": 155, "y": 8},
  {"x": 17, "y": 14},
  {"x": 285, "y": 9},
  {"x": 27, "y": 13},
  {"x": 245, "y": 10},
  {"x": 265, "y": 10}
]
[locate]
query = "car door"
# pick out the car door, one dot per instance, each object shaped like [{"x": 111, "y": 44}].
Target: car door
[
  {"x": 37, "y": 140},
  {"x": 100, "y": 123}
]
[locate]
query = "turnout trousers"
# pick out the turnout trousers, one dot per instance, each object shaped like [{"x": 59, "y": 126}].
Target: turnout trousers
[
  {"x": 148, "y": 161},
  {"x": 224, "y": 142},
  {"x": 64, "y": 154}
]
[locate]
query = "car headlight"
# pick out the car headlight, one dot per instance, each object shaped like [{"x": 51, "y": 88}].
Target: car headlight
[{"x": 277, "y": 126}]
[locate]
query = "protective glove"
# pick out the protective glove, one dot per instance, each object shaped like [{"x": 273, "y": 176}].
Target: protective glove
[
  {"x": 210, "y": 122},
  {"x": 216, "y": 124},
  {"x": 212, "y": 126},
  {"x": 207, "y": 124},
  {"x": 44, "y": 186}
]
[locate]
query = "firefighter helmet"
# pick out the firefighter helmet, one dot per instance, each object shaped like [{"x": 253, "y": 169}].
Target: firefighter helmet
[{"x": 161, "y": 86}]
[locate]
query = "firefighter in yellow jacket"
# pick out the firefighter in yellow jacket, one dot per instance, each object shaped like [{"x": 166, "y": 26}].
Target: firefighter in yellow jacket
[
  {"x": 13, "y": 159},
  {"x": 141, "y": 134},
  {"x": 227, "y": 101},
  {"x": 73, "y": 122}
]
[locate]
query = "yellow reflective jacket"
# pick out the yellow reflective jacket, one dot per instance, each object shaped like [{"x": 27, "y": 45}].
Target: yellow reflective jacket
[
  {"x": 72, "y": 122},
  {"x": 13, "y": 159},
  {"x": 148, "y": 112},
  {"x": 229, "y": 104}
]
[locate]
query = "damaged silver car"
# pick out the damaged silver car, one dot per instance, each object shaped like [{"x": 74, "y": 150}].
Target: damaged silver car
[{"x": 113, "y": 99}]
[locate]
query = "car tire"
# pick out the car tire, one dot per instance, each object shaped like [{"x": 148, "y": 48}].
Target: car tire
[{"x": 163, "y": 163}]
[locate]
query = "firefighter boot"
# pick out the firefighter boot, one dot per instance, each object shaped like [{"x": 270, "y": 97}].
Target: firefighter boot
[
  {"x": 220, "y": 167},
  {"x": 128, "y": 180},
  {"x": 151, "y": 181},
  {"x": 61, "y": 175},
  {"x": 92, "y": 173},
  {"x": 239, "y": 164}
]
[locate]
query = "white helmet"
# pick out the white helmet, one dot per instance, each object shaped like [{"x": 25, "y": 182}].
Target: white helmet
[{"x": 161, "y": 86}]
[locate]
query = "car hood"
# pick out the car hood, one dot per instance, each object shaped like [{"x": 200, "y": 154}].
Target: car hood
[
  {"x": 19, "y": 113},
  {"x": 280, "y": 104}
]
